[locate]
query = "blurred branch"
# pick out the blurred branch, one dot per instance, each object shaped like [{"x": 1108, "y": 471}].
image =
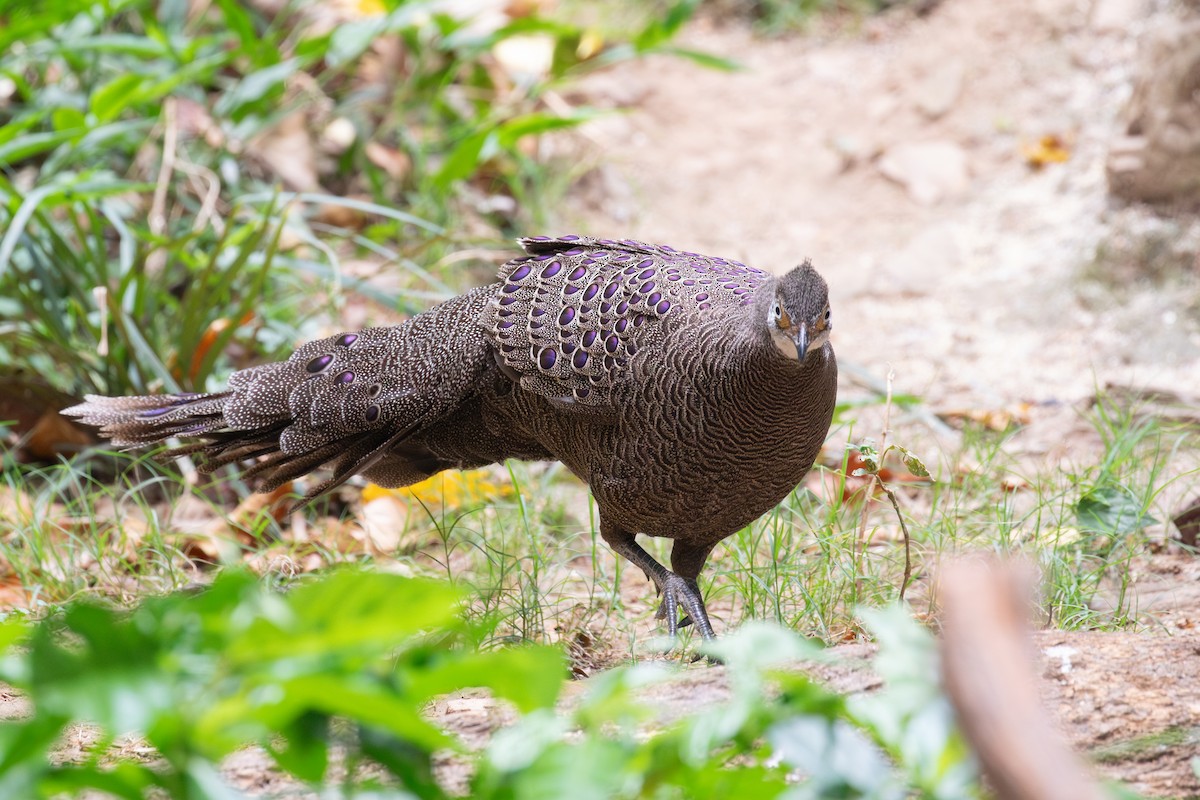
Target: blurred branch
[{"x": 987, "y": 660}]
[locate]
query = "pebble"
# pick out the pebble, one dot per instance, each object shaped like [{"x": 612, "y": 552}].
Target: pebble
[{"x": 931, "y": 171}]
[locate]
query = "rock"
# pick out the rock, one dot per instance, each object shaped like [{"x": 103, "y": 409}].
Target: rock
[
  {"x": 926, "y": 260},
  {"x": 1116, "y": 16},
  {"x": 939, "y": 90},
  {"x": 1157, "y": 156},
  {"x": 931, "y": 171}
]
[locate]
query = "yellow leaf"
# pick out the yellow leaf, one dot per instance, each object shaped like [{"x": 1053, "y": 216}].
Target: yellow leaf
[
  {"x": 1050, "y": 149},
  {"x": 591, "y": 43},
  {"x": 450, "y": 489},
  {"x": 371, "y": 8}
]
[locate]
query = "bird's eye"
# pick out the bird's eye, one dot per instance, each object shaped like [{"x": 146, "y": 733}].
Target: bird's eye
[
  {"x": 776, "y": 311},
  {"x": 828, "y": 315}
]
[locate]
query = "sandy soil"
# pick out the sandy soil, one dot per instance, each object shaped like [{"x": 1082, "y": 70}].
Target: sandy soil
[{"x": 971, "y": 281}]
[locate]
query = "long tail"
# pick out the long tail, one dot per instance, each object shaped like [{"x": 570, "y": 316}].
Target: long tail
[
  {"x": 346, "y": 401},
  {"x": 133, "y": 421},
  {"x": 290, "y": 418}
]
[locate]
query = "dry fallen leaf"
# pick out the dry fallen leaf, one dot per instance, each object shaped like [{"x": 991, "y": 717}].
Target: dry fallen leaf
[
  {"x": 242, "y": 522},
  {"x": 395, "y": 163},
  {"x": 383, "y": 521},
  {"x": 208, "y": 339},
  {"x": 12, "y": 593},
  {"x": 287, "y": 149},
  {"x": 995, "y": 419},
  {"x": 51, "y": 436},
  {"x": 1188, "y": 522},
  {"x": 1050, "y": 149},
  {"x": 1011, "y": 483}
]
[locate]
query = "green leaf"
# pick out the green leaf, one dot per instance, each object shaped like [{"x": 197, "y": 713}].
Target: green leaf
[
  {"x": 238, "y": 21},
  {"x": 912, "y": 463},
  {"x": 110, "y": 99},
  {"x": 463, "y": 160},
  {"x": 1111, "y": 510},
  {"x": 129, "y": 781},
  {"x": 530, "y": 676},
  {"x": 518, "y": 746},
  {"x": 367, "y": 701},
  {"x": 351, "y": 39},
  {"x": 68, "y": 119},
  {"x": 353, "y": 612},
  {"x": 756, "y": 646},
  {"x": 660, "y": 31},
  {"x": 911, "y": 717},
  {"x": 122, "y": 44},
  {"x": 532, "y": 124},
  {"x": 204, "y": 780},
  {"x": 837, "y": 760},
  {"x": 109, "y": 676},
  {"x": 12, "y": 630},
  {"x": 596, "y": 769},
  {"x": 255, "y": 89},
  {"x": 869, "y": 454},
  {"x": 32, "y": 144},
  {"x": 305, "y": 753},
  {"x": 707, "y": 60}
]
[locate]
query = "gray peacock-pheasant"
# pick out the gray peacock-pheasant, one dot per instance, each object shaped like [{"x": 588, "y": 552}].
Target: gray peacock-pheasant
[{"x": 691, "y": 394}]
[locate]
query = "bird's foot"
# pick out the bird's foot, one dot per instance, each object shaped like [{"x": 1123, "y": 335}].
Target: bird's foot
[{"x": 682, "y": 593}]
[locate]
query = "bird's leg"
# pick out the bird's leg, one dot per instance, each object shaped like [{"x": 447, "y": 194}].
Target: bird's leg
[
  {"x": 676, "y": 590},
  {"x": 686, "y": 562}
]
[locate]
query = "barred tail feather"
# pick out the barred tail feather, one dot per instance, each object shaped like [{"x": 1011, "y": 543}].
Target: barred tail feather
[
  {"x": 149, "y": 419},
  {"x": 133, "y": 421}
]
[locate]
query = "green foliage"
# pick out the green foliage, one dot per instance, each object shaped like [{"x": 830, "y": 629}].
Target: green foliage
[
  {"x": 200, "y": 674},
  {"x": 1110, "y": 504},
  {"x": 96, "y": 323},
  {"x": 777, "y": 726},
  {"x": 136, "y": 159},
  {"x": 340, "y": 668},
  {"x": 776, "y": 17},
  {"x": 1106, "y": 512}
]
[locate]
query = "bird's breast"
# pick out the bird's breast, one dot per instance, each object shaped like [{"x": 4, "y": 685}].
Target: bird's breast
[{"x": 717, "y": 450}]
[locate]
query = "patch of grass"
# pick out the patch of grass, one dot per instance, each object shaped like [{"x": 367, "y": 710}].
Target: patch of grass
[
  {"x": 781, "y": 17},
  {"x": 1150, "y": 745},
  {"x": 525, "y": 548}
]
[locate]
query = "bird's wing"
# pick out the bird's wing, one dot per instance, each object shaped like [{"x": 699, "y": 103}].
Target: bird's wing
[{"x": 571, "y": 318}]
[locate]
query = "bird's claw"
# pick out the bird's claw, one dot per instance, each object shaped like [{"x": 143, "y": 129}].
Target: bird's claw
[{"x": 679, "y": 592}]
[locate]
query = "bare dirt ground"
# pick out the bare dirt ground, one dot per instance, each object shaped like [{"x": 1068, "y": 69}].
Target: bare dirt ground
[
  {"x": 970, "y": 279},
  {"x": 898, "y": 156}
]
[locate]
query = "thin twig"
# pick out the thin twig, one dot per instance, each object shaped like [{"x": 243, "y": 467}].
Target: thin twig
[
  {"x": 887, "y": 411},
  {"x": 904, "y": 529},
  {"x": 887, "y": 420},
  {"x": 158, "y": 208},
  {"x": 209, "y": 196},
  {"x": 100, "y": 295}
]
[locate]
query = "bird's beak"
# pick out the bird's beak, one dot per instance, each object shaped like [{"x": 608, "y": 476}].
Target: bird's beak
[{"x": 801, "y": 339}]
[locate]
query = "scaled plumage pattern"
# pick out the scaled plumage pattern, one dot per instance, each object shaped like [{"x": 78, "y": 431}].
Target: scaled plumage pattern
[{"x": 691, "y": 393}]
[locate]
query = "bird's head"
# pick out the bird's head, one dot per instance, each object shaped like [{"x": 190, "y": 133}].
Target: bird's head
[{"x": 798, "y": 316}]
